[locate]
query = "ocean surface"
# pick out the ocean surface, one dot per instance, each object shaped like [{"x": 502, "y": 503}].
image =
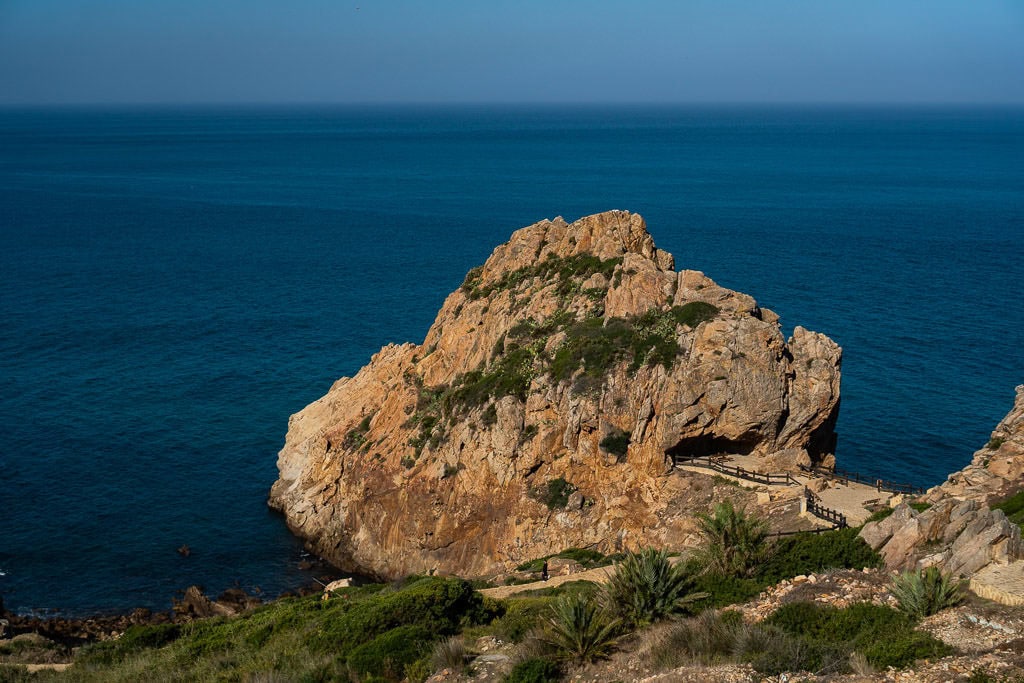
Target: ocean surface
[{"x": 175, "y": 283}]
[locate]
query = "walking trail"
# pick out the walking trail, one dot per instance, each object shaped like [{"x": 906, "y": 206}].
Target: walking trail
[{"x": 850, "y": 499}]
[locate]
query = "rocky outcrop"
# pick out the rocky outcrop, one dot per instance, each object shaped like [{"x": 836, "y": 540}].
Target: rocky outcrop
[
  {"x": 542, "y": 409},
  {"x": 997, "y": 469},
  {"x": 959, "y": 533},
  {"x": 959, "y": 537}
]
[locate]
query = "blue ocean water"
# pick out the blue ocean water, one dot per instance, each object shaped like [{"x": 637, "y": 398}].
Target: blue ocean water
[{"x": 175, "y": 283}]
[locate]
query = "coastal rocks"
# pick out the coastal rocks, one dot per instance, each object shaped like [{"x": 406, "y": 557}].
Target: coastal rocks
[
  {"x": 544, "y": 408},
  {"x": 997, "y": 469},
  {"x": 959, "y": 537},
  {"x": 958, "y": 532},
  {"x": 195, "y": 605}
]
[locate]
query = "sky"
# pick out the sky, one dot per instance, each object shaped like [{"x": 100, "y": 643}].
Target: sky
[{"x": 528, "y": 51}]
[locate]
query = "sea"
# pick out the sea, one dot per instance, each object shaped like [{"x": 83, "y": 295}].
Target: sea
[{"x": 176, "y": 282}]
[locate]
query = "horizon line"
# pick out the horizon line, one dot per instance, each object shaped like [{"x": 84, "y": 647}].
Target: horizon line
[{"x": 427, "y": 104}]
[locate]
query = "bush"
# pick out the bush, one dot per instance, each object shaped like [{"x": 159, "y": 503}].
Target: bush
[
  {"x": 811, "y": 553},
  {"x": 388, "y": 654},
  {"x": 534, "y": 670},
  {"x": 885, "y": 636},
  {"x": 879, "y": 515},
  {"x": 587, "y": 558},
  {"x": 694, "y": 313},
  {"x": 616, "y": 443},
  {"x": 579, "y": 629},
  {"x": 725, "y": 590},
  {"x": 555, "y": 494},
  {"x": 735, "y": 542},
  {"x": 646, "y": 587},
  {"x": 521, "y": 616},
  {"x": 924, "y": 593},
  {"x": 707, "y": 639}
]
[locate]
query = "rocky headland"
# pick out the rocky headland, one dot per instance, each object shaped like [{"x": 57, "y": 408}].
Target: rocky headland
[{"x": 544, "y": 406}]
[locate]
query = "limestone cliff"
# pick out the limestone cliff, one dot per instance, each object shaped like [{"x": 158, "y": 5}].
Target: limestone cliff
[{"x": 541, "y": 409}]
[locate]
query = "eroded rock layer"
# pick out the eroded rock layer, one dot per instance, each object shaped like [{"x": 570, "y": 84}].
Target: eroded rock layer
[{"x": 543, "y": 407}]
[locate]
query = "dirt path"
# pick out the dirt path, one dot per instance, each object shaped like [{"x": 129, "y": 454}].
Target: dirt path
[{"x": 599, "y": 575}]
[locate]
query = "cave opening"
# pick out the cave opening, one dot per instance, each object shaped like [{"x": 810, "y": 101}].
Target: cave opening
[{"x": 710, "y": 444}]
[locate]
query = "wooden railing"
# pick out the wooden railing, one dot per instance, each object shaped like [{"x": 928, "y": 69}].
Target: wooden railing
[
  {"x": 814, "y": 506},
  {"x": 720, "y": 466},
  {"x": 880, "y": 484}
]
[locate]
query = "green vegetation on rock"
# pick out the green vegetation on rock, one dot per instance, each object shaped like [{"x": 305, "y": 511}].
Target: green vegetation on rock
[
  {"x": 1013, "y": 508},
  {"x": 591, "y": 346},
  {"x": 567, "y": 273}
]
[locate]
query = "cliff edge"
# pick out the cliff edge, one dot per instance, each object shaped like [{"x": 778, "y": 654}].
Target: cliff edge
[{"x": 542, "y": 410}]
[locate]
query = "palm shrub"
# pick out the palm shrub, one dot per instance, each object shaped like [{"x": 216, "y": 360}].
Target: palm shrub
[
  {"x": 646, "y": 587},
  {"x": 580, "y": 629},
  {"x": 924, "y": 593},
  {"x": 735, "y": 541}
]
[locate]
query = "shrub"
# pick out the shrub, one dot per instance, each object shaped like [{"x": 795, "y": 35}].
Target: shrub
[
  {"x": 586, "y": 557},
  {"x": 388, "y": 654},
  {"x": 812, "y": 553},
  {"x": 522, "y": 615},
  {"x": 534, "y": 670},
  {"x": 879, "y": 515},
  {"x": 735, "y": 541},
  {"x": 616, "y": 443},
  {"x": 883, "y": 635},
  {"x": 772, "y": 651},
  {"x": 555, "y": 494},
  {"x": 449, "y": 653},
  {"x": 694, "y": 313},
  {"x": 725, "y": 590},
  {"x": 924, "y": 593},
  {"x": 995, "y": 443},
  {"x": 707, "y": 639},
  {"x": 579, "y": 629},
  {"x": 646, "y": 587}
]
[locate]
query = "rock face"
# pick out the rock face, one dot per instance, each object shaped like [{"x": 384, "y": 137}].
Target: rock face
[
  {"x": 543, "y": 407},
  {"x": 959, "y": 533},
  {"x": 958, "y": 536}
]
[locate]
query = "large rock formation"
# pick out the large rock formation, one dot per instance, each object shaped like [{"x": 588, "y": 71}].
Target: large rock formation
[{"x": 542, "y": 408}]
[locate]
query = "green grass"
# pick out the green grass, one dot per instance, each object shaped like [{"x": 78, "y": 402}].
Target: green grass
[
  {"x": 1013, "y": 508},
  {"x": 368, "y": 633}
]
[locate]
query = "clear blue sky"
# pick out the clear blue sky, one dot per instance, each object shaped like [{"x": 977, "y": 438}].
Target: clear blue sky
[{"x": 306, "y": 51}]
